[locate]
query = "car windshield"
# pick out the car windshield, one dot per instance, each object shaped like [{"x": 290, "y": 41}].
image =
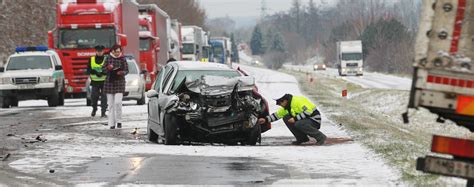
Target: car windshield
[
  {"x": 29, "y": 62},
  {"x": 192, "y": 75},
  {"x": 86, "y": 38},
  {"x": 132, "y": 67},
  {"x": 188, "y": 48},
  {"x": 144, "y": 44},
  {"x": 351, "y": 56}
]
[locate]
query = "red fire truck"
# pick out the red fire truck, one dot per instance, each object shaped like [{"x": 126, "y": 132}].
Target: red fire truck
[
  {"x": 83, "y": 24},
  {"x": 154, "y": 42},
  {"x": 149, "y": 48}
]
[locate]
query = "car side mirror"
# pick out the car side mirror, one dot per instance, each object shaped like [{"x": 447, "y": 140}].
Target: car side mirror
[
  {"x": 152, "y": 93},
  {"x": 58, "y": 67},
  {"x": 2, "y": 69}
]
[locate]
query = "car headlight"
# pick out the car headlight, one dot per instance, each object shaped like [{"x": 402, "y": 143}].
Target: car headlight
[
  {"x": 46, "y": 79},
  {"x": 6, "y": 80},
  {"x": 324, "y": 66},
  {"x": 343, "y": 69},
  {"x": 315, "y": 66},
  {"x": 360, "y": 69}
]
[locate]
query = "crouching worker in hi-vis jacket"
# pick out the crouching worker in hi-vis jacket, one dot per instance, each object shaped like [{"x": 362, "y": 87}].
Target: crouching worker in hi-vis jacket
[{"x": 300, "y": 116}]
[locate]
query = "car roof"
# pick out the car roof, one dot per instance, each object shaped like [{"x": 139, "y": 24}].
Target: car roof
[
  {"x": 33, "y": 53},
  {"x": 195, "y": 65}
]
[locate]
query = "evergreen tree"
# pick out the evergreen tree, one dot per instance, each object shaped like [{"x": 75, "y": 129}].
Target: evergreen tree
[{"x": 256, "y": 43}]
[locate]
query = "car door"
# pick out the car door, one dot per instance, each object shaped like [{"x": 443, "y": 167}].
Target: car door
[
  {"x": 153, "y": 111},
  {"x": 163, "y": 96}
]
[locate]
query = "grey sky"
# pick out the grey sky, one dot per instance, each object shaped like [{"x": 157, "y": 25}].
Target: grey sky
[{"x": 244, "y": 8}]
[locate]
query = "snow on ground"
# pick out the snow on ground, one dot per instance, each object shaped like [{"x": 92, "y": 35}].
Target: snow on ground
[
  {"x": 368, "y": 80},
  {"x": 347, "y": 163}
]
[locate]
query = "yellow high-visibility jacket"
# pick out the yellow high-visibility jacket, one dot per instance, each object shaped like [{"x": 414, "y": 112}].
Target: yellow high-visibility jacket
[{"x": 299, "y": 108}]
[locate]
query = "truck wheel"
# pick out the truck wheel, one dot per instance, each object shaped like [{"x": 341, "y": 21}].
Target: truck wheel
[
  {"x": 254, "y": 135},
  {"x": 61, "y": 98},
  {"x": 5, "y": 102},
  {"x": 152, "y": 136},
  {"x": 141, "y": 101},
  {"x": 53, "y": 100},
  {"x": 171, "y": 130},
  {"x": 14, "y": 102}
]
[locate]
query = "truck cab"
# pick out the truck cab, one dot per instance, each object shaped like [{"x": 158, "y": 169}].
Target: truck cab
[
  {"x": 32, "y": 73},
  {"x": 349, "y": 57}
]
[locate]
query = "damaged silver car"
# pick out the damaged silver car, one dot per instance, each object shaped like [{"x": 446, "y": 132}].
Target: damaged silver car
[{"x": 205, "y": 102}]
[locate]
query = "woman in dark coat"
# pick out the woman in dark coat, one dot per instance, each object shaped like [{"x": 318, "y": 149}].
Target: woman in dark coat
[{"x": 116, "y": 67}]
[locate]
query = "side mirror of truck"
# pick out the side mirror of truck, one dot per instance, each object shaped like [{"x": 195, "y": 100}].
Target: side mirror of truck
[
  {"x": 123, "y": 40},
  {"x": 144, "y": 71},
  {"x": 50, "y": 39},
  {"x": 2, "y": 69},
  {"x": 57, "y": 68}
]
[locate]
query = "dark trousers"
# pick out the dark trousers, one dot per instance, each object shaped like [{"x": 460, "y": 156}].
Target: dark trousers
[
  {"x": 303, "y": 128},
  {"x": 98, "y": 91}
]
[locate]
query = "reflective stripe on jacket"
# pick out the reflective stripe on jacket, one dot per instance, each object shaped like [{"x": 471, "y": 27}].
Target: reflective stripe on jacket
[
  {"x": 300, "y": 108},
  {"x": 97, "y": 68}
]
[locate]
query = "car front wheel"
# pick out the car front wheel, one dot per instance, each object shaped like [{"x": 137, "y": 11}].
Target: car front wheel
[
  {"x": 53, "y": 100},
  {"x": 171, "y": 129},
  {"x": 255, "y": 135}
]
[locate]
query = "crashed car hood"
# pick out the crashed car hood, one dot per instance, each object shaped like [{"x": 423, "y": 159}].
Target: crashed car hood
[{"x": 216, "y": 85}]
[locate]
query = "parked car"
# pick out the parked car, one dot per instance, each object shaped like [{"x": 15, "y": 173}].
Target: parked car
[
  {"x": 135, "y": 84},
  {"x": 319, "y": 66},
  {"x": 32, "y": 73},
  {"x": 205, "y": 102}
]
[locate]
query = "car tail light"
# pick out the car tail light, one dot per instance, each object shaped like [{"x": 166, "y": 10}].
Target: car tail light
[{"x": 453, "y": 146}]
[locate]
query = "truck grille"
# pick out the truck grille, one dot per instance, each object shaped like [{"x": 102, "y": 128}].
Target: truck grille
[
  {"x": 79, "y": 66},
  {"x": 26, "y": 80}
]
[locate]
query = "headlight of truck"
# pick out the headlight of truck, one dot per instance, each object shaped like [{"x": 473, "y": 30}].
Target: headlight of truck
[
  {"x": 360, "y": 69},
  {"x": 324, "y": 65},
  {"x": 6, "y": 80},
  {"x": 343, "y": 69},
  {"x": 46, "y": 79}
]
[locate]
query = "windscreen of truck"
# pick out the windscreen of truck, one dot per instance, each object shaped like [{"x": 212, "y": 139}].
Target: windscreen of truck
[
  {"x": 29, "y": 62},
  {"x": 351, "y": 56},
  {"x": 188, "y": 49},
  {"x": 86, "y": 38},
  {"x": 144, "y": 44},
  {"x": 218, "y": 51}
]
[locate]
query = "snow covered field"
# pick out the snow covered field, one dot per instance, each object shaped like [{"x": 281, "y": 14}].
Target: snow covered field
[{"x": 345, "y": 163}]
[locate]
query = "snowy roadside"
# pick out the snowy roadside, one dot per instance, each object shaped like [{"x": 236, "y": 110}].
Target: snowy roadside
[{"x": 373, "y": 117}]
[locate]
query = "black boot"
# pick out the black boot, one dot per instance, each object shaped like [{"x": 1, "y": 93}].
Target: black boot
[
  {"x": 93, "y": 112},
  {"x": 103, "y": 114},
  {"x": 321, "y": 139},
  {"x": 119, "y": 125}
]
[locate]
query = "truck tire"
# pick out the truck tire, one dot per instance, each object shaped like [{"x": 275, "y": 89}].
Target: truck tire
[
  {"x": 61, "y": 98},
  {"x": 53, "y": 100},
  {"x": 141, "y": 101},
  {"x": 5, "y": 101},
  {"x": 171, "y": 130},
  {"x": 14, "y": 102},
  {"x": 254, "y": 135}
]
